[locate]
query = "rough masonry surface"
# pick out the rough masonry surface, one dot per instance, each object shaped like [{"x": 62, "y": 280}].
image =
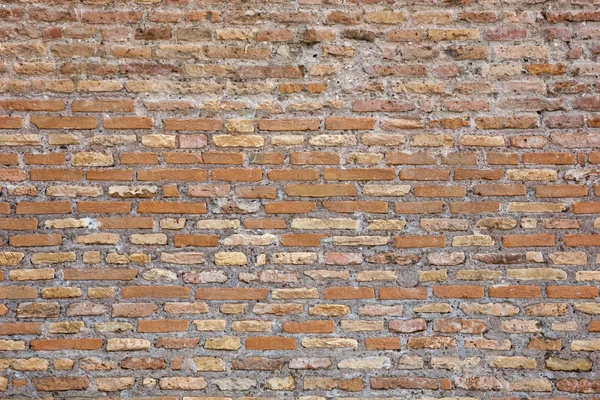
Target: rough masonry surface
[{"x": 299, "y": 199}]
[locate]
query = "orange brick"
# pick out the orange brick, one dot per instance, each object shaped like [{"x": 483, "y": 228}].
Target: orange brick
[
  {"x": 36, "y": 240},
  {"x": 171, "y": 207},
  {"x": 231, "y": 293},
  {"x": 549, "y": 158},
  {"x": 172, "y": 175},
  {"x": 421, "y": 207},
  {"x": 458, "y": 292},
  {"x": 314, "y": 158},
  {"x": 100, "y": 274},
  {"x": 393, "y": 293},
  {"x": 302, "y": 239},
  {"x": 289, "y": 124},
  {"x": 359, "y": 174},
  {"x": 270, "y": 343},
  {"x": 419, "y": 242},
  {"x": 425, "y": 174},
  {"x": 45, "y": 159},
  {"x": 56, "y": 207},
  {"x": 293, "y": 175},
  {"x": 348, "y": 293},
  {"x": 320, "y": 190},
  {"x": 378, "y": 207},
  {"x": 32, "y": 105},
  {"x": 139, "y": 158},
  {"x": 9, "y": 159},
  {"x": 17, "y": 292},
  {"x": 348, "y": 124},
  {"x": 308, "y": 327},
  {"x": 382, "y": 343},
  {"x": 155, "y": 292},
  {"x": 500, "y": 189},
  {"x": 196, "y": 240},
  {"x": 55, "y": 174},
  {"x": 586, "y": 207},
  {"x": 103, "y": 105},
  {"x": 13, "y": 175},
  {"x": 109, "y": 175},
  {"x": 265, "y": 223},
  {"x": 236, "y": 175},
  {"x": 557, "y": 191},
  {"x": 118, "y": 207},
  {"x": 474, "y": 207},
  {"x": 536, "y": 240},
  {"x": 66, "y": 344},
  {"x": 192, "y": 124},
  {"x": 162, "y": 325},
  {"x": 18, "y": 224},
  {"x": 515, "y": 292},
  {"x": 128, "y": 123},
  {"x": 571, "y": 292},
  {"x": 64, "y": 122},
  {"x": 290, "y": 207},
  {"x": 182, "y": 158},
  {"x": 20, "y": 328},
  {"x": 125, "y": 223},
  {"x": 256, "y": 192},
  {"x": 7, "y": 122},
  {"x": 223, "y": 158}
]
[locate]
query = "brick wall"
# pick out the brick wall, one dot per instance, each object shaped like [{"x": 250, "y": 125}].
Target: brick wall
[{"x": 315, "y": 200}]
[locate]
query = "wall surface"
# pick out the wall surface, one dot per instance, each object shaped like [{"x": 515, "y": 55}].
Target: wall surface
[{"x": 210, "y": 199}]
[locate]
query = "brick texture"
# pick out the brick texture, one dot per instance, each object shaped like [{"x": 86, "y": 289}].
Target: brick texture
[{"x": 299, "y": 199}]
